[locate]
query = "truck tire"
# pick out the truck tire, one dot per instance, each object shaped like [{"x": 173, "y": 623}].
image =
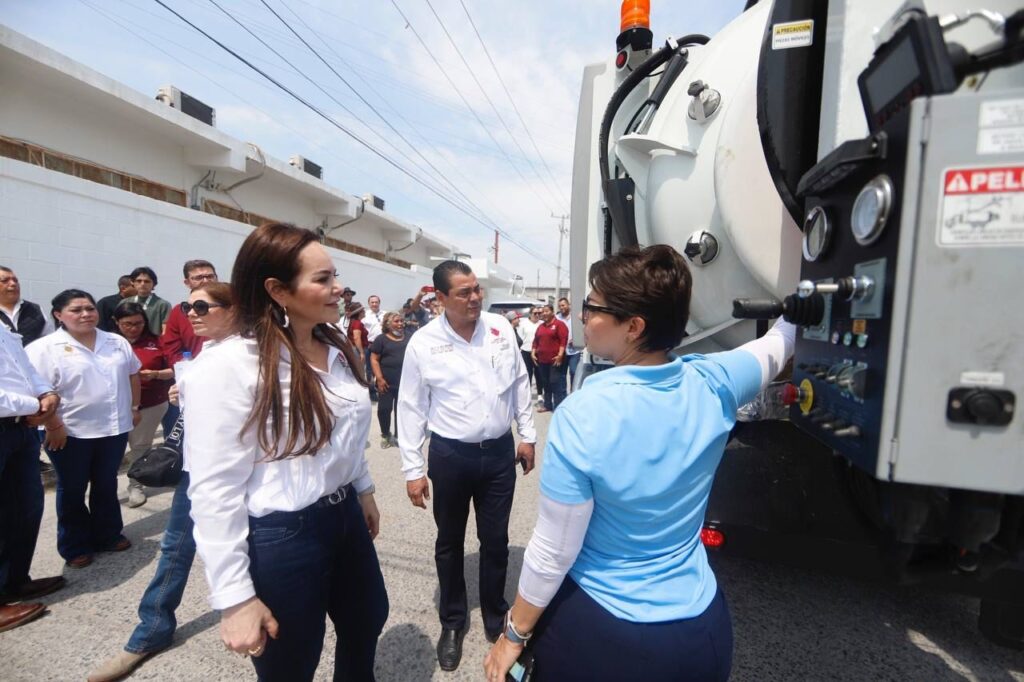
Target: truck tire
[{"x": 1002, "y": 623}]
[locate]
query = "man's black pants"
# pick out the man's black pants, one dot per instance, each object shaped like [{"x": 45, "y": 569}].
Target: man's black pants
[{"x": 461, "y": 472}]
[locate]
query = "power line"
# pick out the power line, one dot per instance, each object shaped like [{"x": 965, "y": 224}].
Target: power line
[
  {"x": 393, "y": 109},
  {"x": 465, "y": 101},
  {"x": 487, "y": 97},
  {"x": 348, "y": 132},
  {"x": 218, "y": 84},
  {"x": 511, "y": 99},
  {"x": 374, "y": 109},
  {"x": 313, "y": 82}
]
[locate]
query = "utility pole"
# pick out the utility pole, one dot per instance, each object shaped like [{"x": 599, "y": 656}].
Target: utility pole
[
  {"x": 558, "y": 270},
  {"x": 536, "y": 293},
  {"x": 495, "y": 247}
]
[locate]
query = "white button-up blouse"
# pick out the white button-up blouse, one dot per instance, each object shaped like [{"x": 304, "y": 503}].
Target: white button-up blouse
[{"x": 231, "y": 479}]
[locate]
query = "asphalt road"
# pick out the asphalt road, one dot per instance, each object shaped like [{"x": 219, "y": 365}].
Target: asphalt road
[{"x": 789, "y": 624}]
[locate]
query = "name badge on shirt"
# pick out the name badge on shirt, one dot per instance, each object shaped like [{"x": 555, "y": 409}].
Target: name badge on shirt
[{"x": 444, "y": 348}]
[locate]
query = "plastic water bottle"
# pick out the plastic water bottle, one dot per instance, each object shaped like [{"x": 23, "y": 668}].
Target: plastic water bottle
[
  {"x": 768, "y": 404},
  {"x": 181, "y": 365}
]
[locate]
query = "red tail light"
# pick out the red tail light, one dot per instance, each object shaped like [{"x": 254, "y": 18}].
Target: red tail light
[{"x": 712, "y": 537}]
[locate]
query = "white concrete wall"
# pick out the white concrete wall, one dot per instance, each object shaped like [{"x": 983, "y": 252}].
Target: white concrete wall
[{"x": 58, "y": 231}]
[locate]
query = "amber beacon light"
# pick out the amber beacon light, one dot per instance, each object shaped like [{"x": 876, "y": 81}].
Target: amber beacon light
[{"x": 635, "y": 14}]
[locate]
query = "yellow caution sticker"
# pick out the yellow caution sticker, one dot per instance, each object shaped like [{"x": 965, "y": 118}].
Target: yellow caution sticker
[
  {"x": 860, "y": 326},
  {"x": 793, "y": 34}
]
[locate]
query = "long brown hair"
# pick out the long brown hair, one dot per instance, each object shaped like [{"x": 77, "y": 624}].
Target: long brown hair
[{"x": 272, "y": 251}]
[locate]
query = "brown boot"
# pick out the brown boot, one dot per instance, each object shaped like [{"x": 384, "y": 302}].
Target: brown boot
[
  {"x": 117, "y": 667},
  {"x": 18, "y": 614}
]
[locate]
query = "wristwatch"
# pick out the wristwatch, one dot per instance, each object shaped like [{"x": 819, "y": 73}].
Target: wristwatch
[{"x": 513, "y": 635}]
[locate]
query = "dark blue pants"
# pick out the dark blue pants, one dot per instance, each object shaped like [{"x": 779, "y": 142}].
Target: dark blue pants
[
  {"x": 578, "y": 639},
  {"x": 551, "y": 378},
  {"x": 460, "y": 473},
  {"x": 313, "y": 563},
  {"x": 163, "y": 595},
  {"x": 21, "y": 504},
  {"x": 88, "y": 463}
]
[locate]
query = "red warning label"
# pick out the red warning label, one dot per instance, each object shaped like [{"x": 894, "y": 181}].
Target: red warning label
[
  {"x": 985, "y": 180},
  {"x": 982, "y": 207}
]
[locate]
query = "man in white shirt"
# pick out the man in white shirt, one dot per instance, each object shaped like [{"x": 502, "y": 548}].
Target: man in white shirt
[
  {"x": 26, "y": 399},
  {"x": 20, "y": 316},
  {"x": 464, "y": 381},
  {"x": 373, "y": 321},
  {"x": 572, "y": 351}
]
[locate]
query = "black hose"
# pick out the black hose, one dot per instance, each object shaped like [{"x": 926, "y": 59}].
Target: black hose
[{"x": 626, "y": 87}]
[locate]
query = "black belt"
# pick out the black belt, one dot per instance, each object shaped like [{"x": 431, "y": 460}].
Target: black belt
[
  {"x": 11, "y": 423},
  {"x": 337, "y": 497},
  {"x": 483, "y": 445}
]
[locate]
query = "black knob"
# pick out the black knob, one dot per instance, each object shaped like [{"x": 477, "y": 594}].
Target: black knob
[
  {"x": 983, "y": 406},
  {"x": 756, "y": 308},
  {"x": 696, "y": 87}
]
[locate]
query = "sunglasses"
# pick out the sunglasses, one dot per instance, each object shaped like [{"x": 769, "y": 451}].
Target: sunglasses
[
  {"x": 201, "y": 307},
  {"x": 589, "y": 308}
]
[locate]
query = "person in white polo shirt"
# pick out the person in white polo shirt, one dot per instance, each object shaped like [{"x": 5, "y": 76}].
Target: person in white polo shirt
[
  {"x": 373, "y": 321},
  {"x": 96, "y": 375},
  {"x": 464, "y": 382}
]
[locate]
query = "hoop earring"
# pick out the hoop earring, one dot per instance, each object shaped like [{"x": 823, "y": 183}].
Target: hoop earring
[{"x": 280, "y": 316}]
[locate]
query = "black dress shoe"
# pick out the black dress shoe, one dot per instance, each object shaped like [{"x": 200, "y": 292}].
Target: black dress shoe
[
  {"x": 33, "y": 589},
  {"x": 449, "y": 649}
]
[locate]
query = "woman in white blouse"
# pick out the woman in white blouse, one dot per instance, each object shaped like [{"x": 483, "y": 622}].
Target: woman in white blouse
[
  {"x": 96, "y": 375},
  {"x": 281, "y": 494}
]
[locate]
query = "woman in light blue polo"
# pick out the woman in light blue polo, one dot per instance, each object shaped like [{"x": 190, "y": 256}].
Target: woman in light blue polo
[{"x": 615, "y": 579}]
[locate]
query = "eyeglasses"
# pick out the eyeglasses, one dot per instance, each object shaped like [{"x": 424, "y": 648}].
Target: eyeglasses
[
  {"x": 201, "y": 307},
  {"x": 589, "y": 308},
  {"x": 130, "y": 325},
  {"x": 208, "y": 277}
]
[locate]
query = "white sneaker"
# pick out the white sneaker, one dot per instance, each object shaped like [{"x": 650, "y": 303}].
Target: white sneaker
[{"x": 136, "y": 498}]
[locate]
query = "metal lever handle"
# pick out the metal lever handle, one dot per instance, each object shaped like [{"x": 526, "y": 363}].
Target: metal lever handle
[{"x": 848, "y": 288}]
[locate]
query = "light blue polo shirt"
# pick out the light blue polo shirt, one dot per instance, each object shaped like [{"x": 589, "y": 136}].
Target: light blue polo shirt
[{"x": 644, "y": 443}]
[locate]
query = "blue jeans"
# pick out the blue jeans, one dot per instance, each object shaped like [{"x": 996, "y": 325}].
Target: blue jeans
[
  {"x": 552, "y": 380},
  {"x": 574, "y": 361},
  {"x": 88, "y": 463},
  {"x": 163, "y": 595},
  {"x": 21, "y": 504},
  {"x": 310, "y": 563}
]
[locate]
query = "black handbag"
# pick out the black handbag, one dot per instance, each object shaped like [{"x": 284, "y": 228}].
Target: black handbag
[{"x": 160, "y": 466}]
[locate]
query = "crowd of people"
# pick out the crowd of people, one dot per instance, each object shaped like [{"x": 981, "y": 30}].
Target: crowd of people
[{"x": 272, "y": 378}]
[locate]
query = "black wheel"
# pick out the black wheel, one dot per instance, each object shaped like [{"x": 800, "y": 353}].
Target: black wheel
[{"x": 1002, "y": 623}]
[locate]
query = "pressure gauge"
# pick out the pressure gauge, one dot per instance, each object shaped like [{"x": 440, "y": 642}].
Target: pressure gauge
[
  {"x": 817, "y": 233},
  {"x": 871, "y": 210}
]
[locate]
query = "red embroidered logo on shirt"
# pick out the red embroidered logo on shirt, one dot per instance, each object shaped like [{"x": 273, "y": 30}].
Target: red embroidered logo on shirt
[{"x": 495, "y": 331}]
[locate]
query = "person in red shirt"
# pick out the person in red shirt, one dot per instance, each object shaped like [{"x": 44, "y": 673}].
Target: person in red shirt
[
  {"x": 356, "y": 330},
  {"x": 178, "y": 337},
  {"x": 156, "y": 375},
  {"x": 549, "y": 342}
]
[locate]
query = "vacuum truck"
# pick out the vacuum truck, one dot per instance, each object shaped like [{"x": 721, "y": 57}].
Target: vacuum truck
[{"x": 857, "y": 168}]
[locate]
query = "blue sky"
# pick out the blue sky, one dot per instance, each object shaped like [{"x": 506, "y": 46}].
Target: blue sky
[{"x": 538, "y": 46}]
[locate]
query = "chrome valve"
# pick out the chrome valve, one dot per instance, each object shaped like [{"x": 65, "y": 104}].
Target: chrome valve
[{"x": 849, "y": 288}]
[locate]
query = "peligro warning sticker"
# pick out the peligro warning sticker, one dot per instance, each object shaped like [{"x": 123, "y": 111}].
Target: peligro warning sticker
[
  {"x": 792, "y": 34},
  {"x": 982, "y": 207}
]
